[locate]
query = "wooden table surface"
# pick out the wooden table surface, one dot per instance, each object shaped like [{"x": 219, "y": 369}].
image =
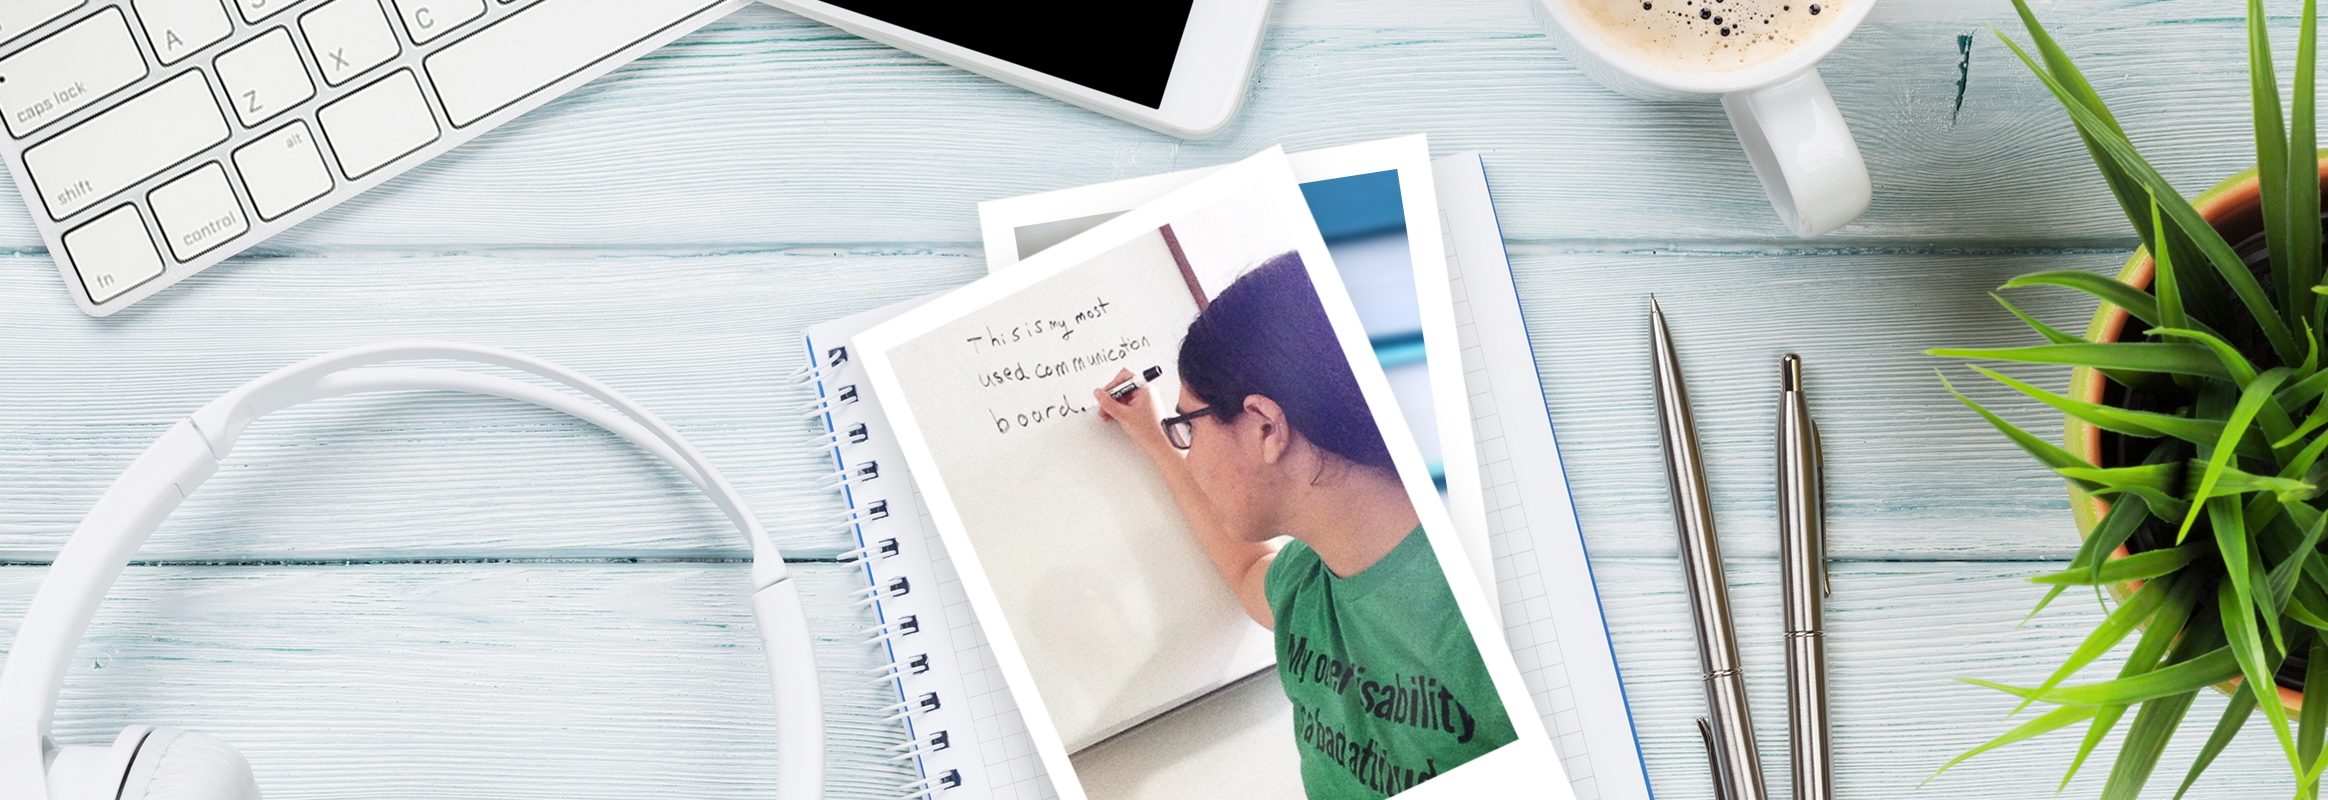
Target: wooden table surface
[{"x": 431, "y": 597}]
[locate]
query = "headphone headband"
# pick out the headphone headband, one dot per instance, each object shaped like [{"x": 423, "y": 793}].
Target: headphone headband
[{"x": 190, "y": 451}]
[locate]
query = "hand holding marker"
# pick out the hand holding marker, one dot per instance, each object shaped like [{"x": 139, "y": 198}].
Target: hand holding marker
[
  {"x": 1121, "y": 402},
  {"x": 1123, "y": 389}
]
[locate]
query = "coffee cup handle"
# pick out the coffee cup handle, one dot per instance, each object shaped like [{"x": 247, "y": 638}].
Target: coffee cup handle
[{"x": 1800, "y": 147}]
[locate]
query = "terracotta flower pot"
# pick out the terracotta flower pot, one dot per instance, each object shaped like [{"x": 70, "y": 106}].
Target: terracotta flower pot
[{"x": 2234, "y": 207}]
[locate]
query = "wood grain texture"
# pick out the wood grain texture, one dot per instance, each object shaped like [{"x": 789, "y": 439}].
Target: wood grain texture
[
  {"x": 1899, "y": 634},
  {"x": 769, "y": 129},
  {"x": 589, "y": 681},
  {"x": 707, "y": 340},
  {"x": 1912, "y": 473},
  {"x": 468, "y": 680},
  {"x": 339, "y": 600}
]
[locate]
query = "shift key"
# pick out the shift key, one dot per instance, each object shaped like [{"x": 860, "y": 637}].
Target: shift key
[{"x": 95, "y": 160}]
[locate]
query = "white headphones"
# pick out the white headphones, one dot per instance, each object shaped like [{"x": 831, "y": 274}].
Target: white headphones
[{"x": 149, "y": 763}]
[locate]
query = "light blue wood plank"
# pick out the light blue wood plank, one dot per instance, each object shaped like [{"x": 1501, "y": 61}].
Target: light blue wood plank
[
  {"x": 468, "y": 680},
  {"x": 1898, "y": 634},
  {"x": 1912, "y": 473},
  {"x": 672, "y": 228},
  {"x": 588, "y": 681},
  {"x": 768, "y": 129},
  {"x": 707, "y": 340}
]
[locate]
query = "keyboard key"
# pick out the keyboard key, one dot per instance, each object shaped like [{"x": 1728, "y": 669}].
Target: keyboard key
[
  {"x": 255, "y": 10},
  {"x": 113, "y": 254},
  {"x": 198, "y": 212},
  {"x": 177, "y": 28},
  {"x": 96, "y": 159},
  {"x": 68, "y": 71},
  {"x": 19, "y": 17},
  {"x": 534, "y": 47},
  {"x": 348, "y": 37},
  {"x": 264, "y": 77},
  {"x": 378, "y": 124},
  {"x": 283, "y": 171},
  {"x": 115, "y": 114},
  {"x": 429, "y": 19}
]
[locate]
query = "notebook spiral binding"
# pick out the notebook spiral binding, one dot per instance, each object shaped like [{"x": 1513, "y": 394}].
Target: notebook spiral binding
[{"x": 857, "y": 481}]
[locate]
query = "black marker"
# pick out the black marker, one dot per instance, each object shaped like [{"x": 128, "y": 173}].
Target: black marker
[{"x": 1132, "y": 384}]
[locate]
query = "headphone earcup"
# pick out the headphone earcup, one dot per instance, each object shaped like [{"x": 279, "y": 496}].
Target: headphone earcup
[
  {"x": 89, "y": 772},
  {"x": 180, "y": 765}
]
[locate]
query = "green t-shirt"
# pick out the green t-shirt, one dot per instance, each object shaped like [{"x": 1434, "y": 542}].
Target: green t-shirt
[{"x": 1388, "y": 689}]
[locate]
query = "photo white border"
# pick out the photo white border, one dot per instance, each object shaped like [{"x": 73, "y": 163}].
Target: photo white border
[
  {"x": 1410, "y": 157},
  {"x": 1528, "y": 765}
]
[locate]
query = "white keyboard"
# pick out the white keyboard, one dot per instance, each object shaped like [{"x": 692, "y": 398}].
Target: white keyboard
[{"x": 154, "y": 138}]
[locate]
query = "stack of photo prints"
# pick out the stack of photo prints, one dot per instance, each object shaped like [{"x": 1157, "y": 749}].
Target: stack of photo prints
[{"x": 1228, "y": 483}]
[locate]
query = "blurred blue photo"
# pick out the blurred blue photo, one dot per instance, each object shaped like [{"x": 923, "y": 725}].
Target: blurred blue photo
[{"x": 1364, "y": 224}]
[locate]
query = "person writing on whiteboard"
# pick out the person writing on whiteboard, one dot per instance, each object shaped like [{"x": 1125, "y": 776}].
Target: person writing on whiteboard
[{"x": 1271, "y": 438}]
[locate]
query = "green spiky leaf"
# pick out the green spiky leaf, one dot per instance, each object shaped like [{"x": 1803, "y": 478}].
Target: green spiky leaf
[
  {"x": 2234, "y": 717},
  {"x": 2160, "y": 635},
  {"x": 2271, "y": 149},
  {"x": 2045, "y": 723},
  {"x": 2136, "y": 567},
  {"x": 2227, "y": 263},
  {"x": 2251, "y": 402},
  {"x": 2214, "y": 666},
  {"x": 2312, "y": 719},
  {"x": 2234, "y": 364},
  {"x": 2114, "y": 628},
  {"x": 2164, "y": 284},
  {"x": 2162, "y": 358},
  {"x": 2138, "y": 304},
  {"x": 2302, "y": 206},
  {"x": 2255, "y": 661},
  {"x": 2227, "y": 387},
  {"x": 2155, "y": 724},
  {"x": 2129, "y": 193},
  {"x": 2131, "y": 422},
  {"x": 2052, "y": 454}
]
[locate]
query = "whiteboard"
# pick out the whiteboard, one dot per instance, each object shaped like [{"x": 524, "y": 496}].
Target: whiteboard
[{"x": 1119, "y": 613}]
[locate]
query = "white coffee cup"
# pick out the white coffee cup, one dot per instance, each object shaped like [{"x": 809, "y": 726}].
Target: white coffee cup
[{"x": 1793, "y": 134}]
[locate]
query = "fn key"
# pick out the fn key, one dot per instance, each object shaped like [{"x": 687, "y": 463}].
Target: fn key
[{"x": 113, "y": 254}]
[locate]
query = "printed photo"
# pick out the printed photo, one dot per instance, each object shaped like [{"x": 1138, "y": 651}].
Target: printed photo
[
  {"x": 1282, "y": 476},
  {"x": 1374, "y": 203},
  {"x": 1168, "y": 459}
]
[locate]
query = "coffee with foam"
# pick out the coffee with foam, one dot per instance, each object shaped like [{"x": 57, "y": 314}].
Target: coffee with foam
[{"x": 1707, "y": 35}]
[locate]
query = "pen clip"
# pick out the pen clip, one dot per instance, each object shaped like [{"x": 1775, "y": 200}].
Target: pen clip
[
  {"x": 1714, "y": 761},
  {"x": 1819, "y": 503}
]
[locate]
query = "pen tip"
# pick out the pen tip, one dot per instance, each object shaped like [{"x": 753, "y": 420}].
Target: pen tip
[{"x": 1790, "y": 373}]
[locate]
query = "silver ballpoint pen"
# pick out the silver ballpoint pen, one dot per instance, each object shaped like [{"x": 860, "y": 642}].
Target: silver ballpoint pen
[
  {"x": 1729, "y": 730},
  {"x": 1802, "y": 541}
]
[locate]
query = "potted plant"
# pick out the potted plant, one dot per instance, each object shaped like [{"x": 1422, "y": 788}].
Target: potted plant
[{"x": 2198, "y": 420}]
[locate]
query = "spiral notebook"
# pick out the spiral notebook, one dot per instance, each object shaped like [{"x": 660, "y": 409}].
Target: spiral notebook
[
  {"x": 966, "y": 738},
  {"x": 1551, "y": 609}
]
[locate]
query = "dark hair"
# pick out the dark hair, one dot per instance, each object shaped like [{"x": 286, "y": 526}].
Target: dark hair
[{"x": 1267, "y": 334}]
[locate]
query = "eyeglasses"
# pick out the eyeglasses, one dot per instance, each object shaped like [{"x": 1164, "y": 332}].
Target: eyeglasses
[{"x": 1179, "y": 429}]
